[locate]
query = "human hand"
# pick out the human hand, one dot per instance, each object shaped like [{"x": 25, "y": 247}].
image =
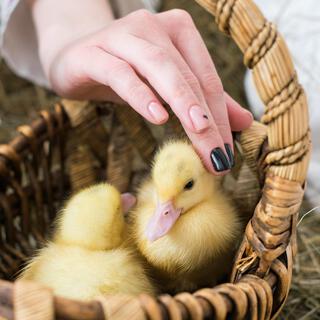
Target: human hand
[{"x": 145, "y": 59}]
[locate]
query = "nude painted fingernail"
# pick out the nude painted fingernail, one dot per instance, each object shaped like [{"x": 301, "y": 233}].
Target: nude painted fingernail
[
  {"x": 199, "y": 118},
  {"x": 157, "y": 112}
]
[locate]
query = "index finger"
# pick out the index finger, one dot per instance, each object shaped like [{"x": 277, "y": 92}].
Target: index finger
[{"x": 188, "y": 41}]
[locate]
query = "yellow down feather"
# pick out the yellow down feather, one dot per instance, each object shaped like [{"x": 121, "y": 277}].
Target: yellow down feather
[{"x": 89, "y": 255}]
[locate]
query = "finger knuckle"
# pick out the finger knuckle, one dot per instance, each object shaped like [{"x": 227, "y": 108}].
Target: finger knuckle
[
  {"x": 158, "y": 54},
  {"x": 212, "y": 84},
  {"x": 181, "y": 92},
  {"x": 141, "y": 15},
  {"x": 182, "y": 16},
  {"x": 119, "y": 68},
  {"x": 137, "y": 92},
  {"x": 191, "y": 80}
]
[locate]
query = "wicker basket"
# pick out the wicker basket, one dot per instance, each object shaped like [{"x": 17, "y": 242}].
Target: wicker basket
[{"x": 79, "y": 143}]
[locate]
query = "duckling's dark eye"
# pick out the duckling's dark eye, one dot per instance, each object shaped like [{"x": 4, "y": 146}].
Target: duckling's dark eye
[{"x": 189, "y": 185}]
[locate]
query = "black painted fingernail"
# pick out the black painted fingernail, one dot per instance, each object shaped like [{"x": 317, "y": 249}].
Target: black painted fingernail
[
  {"x": 230, "y": 154},
  {"x": 219, "y": 160}
]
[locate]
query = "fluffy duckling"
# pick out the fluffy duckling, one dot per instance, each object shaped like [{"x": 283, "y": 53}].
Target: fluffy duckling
[
  {"x": 184, "y": 225},
  {"x": 88, "y": 255}
]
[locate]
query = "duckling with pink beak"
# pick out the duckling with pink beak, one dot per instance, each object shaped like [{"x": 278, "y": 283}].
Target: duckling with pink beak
[{"x": 184, "y": 225}]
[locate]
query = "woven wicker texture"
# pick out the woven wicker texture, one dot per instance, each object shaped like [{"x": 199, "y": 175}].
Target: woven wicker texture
[
  {"x": 77, "y": 144},
  {"x": 32, "y": 302}
]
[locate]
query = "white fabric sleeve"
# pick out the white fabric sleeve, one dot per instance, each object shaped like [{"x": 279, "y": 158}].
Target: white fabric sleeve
[
  {"x": 18, "y": 41},
  {"x": 299, "y": 23}
]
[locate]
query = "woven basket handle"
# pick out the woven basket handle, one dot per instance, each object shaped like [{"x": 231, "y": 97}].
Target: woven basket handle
[{"x": 286, "y": 116}]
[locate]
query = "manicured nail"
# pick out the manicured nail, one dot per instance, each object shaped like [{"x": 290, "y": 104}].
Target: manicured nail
[
  {"x": 157, "y": 112},
  {"x": 230, "y": 154},
  {"x": 199, "y": 118},
  {"x": 219, "y": 160}
]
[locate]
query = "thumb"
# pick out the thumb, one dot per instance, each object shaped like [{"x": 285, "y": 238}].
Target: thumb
[{"x": 239, "y": 118}]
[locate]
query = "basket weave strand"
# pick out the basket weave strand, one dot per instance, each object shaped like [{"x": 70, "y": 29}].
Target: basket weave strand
[{"x": 32, "y": 302}]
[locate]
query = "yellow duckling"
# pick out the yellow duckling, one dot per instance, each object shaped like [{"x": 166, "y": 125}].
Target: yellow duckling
[
  {"x": 89, "y": 255},
  {"x": 184, "y": 225}
]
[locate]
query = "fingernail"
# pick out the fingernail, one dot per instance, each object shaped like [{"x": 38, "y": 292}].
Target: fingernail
[
  {"x": 199, "y": 118},
  {"x": 157, "y": 112},
  {"x": 230, "y": 154},
  {"x": 219, "y": 160}
]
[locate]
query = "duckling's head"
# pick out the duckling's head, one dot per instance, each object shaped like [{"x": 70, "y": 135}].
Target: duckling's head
[
  {"x": 93, "y": 218},
  {"x": 181, "y": 183}
]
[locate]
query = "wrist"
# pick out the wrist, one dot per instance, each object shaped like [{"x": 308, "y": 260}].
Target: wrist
[{"x": 68, "y": 21}]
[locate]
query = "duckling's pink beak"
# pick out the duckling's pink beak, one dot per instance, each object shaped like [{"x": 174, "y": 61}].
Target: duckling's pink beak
[
  {"x": 127, "y": 201},
  {"x": 162, "y": 220}
]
